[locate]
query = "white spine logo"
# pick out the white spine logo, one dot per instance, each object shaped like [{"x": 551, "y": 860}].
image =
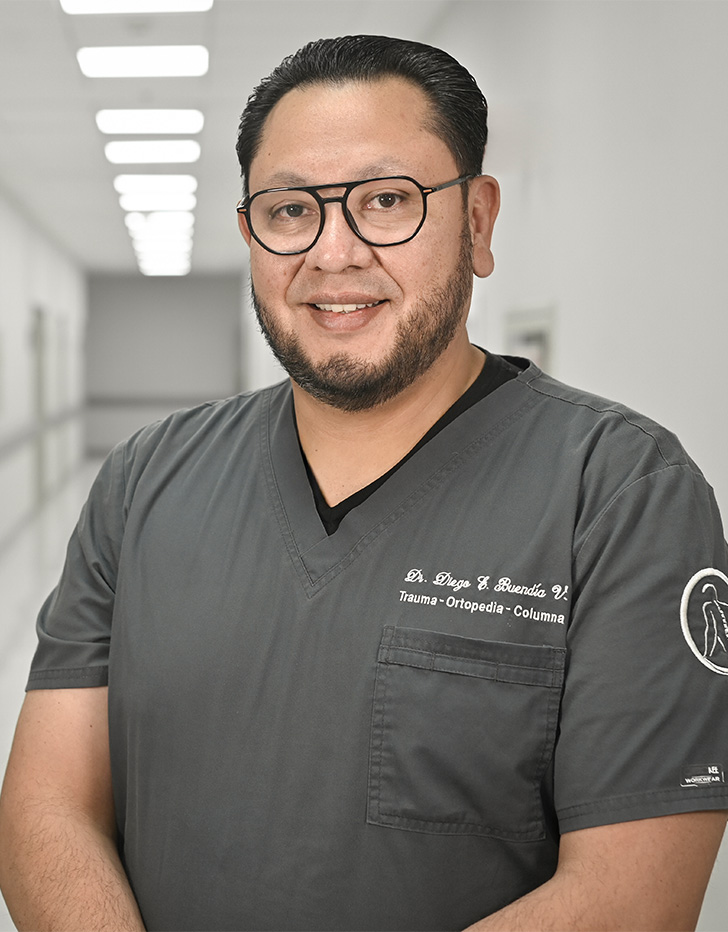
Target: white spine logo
[{"x": 704, "y": 618}]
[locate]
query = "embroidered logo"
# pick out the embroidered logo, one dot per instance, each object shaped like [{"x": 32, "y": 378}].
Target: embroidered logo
[
  {"x": 489, "y": 594},
  {"x": 704, "y": 618}
]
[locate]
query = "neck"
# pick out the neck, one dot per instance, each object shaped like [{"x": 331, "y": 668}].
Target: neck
[{"x": 348, "y": 450}]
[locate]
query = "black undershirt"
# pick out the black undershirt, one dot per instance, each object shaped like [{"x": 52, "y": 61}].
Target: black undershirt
[{"x": 496, "y": 371}]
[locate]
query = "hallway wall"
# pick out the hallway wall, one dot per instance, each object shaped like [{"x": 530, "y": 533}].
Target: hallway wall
[
  {"x": 609, "y": 138},
  {"x": 155, "y": 345},
  {"x": 42, "y": 320}
]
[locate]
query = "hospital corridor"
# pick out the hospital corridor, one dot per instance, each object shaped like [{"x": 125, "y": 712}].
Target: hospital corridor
[{"x": 125, "y": 288}]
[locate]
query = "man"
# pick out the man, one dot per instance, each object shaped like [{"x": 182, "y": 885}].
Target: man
[{"x": 412, "y": 641}]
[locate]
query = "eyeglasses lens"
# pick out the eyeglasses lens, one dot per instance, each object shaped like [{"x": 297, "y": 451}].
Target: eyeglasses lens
[{"x": 382, "y": 212}]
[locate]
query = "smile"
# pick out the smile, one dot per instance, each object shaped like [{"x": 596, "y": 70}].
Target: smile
[{"x": 345, "y": 308}]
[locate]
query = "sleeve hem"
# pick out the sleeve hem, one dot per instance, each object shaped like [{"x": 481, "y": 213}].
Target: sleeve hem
[
  {"x": 643, "y": 806},
  {"x": 68, "y": 679}
]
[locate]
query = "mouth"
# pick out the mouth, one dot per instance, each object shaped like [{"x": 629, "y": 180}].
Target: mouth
[{"x": 345, "y": 308}]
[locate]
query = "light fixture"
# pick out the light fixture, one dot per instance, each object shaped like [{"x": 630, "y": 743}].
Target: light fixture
[
  {"x": 155, "y": 184},
  {"x": 120, "y": 122},
  {"x": 153, "y": 151},
  {"x": 169, "y": 259},
  {"x": 181, "y": 267},
  {"x": 157, "y": 234},
  {"x": 135, "y": 6},
  {"x": 144, "y": 202},
  {"x": 162, "y": 241},
  {"x": 145, "y": 193},
  {"x": 167, "y": 252},
  {"x": 167, "y": 220},
  {"x": 143, "y": 61},
  {"x": 173, "y": 263},
  {"x": 178, "y": 260},
  {"x": 169, "y": 249}
]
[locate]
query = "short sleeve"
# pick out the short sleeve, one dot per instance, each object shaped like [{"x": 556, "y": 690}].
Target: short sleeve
[
  {"x": 644, "y": 727},
  {"x": 74, "y": 624}
]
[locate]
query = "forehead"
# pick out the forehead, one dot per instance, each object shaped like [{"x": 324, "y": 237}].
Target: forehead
[{"x": 321, "y": 133}]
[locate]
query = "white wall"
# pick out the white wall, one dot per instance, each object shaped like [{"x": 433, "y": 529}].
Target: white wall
[
  {"x": 155, "y": 345},
  {"x": 609, "y": 137},
  {"x": 42, "y": 317}
]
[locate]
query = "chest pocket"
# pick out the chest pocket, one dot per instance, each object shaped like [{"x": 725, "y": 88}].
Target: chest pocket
[{"x": 462, "y": 733}]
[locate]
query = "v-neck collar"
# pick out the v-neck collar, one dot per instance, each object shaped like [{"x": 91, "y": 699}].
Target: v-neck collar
[{"x": 317, "y": 557}]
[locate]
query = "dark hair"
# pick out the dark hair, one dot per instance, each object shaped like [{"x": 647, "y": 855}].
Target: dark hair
[{"x": 459, "y": 110}]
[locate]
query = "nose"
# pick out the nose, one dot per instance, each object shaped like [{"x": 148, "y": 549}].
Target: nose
[{"x": 338, "y": 247}]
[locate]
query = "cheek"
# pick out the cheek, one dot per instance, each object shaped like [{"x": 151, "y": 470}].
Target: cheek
[
  {"x": 270, "y": 277},
  {"x": 428, "y": 268},
  {"x": 439, "y": 245}
]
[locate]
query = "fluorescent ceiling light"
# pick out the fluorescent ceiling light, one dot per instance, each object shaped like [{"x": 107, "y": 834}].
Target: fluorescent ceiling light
[
  {"x": 143, "y": 61},
  {"x": 165, "y": 267},
  {"x": 171, "y": 220},
  {"x": 154, "y": 151},
  {"x": 166, "y": 262},
  {"x": 136, "y": 6},
  {"x": 163, "y": 256},
  {"x": 171, "y": 257},
  {"x": 144, "y": 202},
  {"x": 158, "y": 237},
  {"x": 160, "y": 247},
  {"x": 144, "y": 247},
  {"x": 155, "y": 184},
  {"x": 119, "y": 122}
]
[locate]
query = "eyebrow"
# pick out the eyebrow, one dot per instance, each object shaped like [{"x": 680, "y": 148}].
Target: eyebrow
[
  {"x": 288, "y": 179},
  {"x": 285, "y": 179}
]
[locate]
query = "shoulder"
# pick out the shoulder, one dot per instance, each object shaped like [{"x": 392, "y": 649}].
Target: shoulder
[
  {"x": 214, "y": 422},
  {"x": 608, "y": 459},
  {"x": 596, "y": 426},
  {"x": 211, "y": 432},
  {"x": 209, "y": 420}
]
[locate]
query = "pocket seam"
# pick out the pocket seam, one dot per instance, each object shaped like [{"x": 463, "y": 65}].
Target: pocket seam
[
  {"x": 523, "y": 674},
  {"x": 375, "y": 768}
]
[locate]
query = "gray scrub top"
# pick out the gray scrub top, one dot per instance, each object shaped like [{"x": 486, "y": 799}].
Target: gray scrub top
[{"x": 521, "y": 633}]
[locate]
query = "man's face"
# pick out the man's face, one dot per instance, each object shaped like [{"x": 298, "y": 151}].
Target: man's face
[{"x": 416, "y": 294}]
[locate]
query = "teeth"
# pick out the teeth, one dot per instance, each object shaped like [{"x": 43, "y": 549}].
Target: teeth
[{"x": 344, "y": 308}]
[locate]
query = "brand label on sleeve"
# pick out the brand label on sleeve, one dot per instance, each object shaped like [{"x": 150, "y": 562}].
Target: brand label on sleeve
[{"x": 703, "y": 775}]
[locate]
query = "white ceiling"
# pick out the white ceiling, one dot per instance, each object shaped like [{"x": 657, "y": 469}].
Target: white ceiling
[{"x": 52, "y": 163}]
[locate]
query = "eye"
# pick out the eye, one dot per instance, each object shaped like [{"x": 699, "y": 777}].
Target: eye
[
  {"x": 384, "y": 200},
  {"x": 290, "y": 211},
  {"x": 284, "y": 209},
  {"x": 390, "y": 199}
]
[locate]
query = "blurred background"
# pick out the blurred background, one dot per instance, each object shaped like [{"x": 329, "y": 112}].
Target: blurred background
[{"x": 124, "y": 281}]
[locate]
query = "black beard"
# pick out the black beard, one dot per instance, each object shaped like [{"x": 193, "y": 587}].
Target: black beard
[{"x": 352, "y": 384}]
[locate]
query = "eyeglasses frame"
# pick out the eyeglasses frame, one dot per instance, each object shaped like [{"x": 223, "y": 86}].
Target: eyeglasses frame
[{"x": 243, "y": 207}]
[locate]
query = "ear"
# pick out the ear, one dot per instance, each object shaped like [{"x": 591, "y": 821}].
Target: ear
[
  {"x": 244, "y": 228},
  {"x": 483, "y": 206}
]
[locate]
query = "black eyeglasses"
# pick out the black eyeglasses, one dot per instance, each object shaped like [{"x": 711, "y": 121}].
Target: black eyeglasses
[{"x": 380, "y": 211}]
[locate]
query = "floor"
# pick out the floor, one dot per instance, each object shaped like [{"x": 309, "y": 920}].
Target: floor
[{"x": 28, "y": 571}]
